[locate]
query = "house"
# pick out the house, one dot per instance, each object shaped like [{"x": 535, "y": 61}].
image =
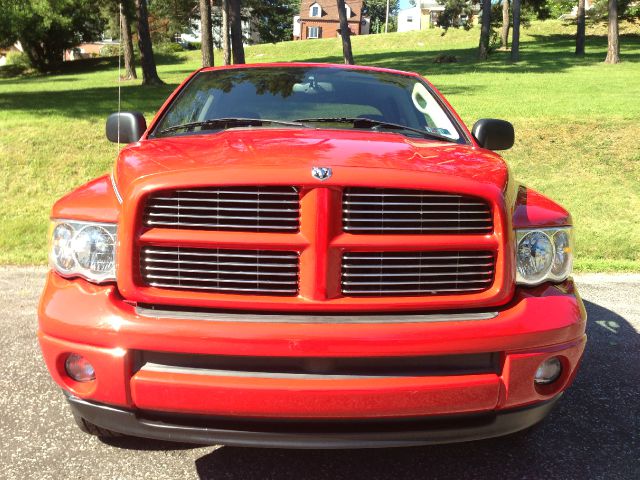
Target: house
[
  {"x": 320, "y": 19},
  {"x": 89, "y": 49},
  {"x": 424, "y": 15},
  {"x": 250, "y": 33}
]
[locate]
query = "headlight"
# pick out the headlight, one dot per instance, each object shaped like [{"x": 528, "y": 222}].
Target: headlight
[
  {"x": 84, "y": 249},
  {"x": 543, "y": 255}
]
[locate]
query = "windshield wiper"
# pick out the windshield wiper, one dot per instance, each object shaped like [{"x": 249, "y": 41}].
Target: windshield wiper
[
  {"x": 224, "y": 123},
  {"x": 359, "y": 122}
]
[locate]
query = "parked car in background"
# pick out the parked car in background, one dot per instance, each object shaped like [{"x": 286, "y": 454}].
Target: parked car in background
[{"x": 310, "y": 256}]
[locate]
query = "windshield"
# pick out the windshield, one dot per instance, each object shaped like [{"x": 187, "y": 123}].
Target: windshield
[{"x": 326, "y": 96}]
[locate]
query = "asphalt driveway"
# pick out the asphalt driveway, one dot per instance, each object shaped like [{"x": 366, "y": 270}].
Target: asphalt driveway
[{"x": 594, "y": 432}]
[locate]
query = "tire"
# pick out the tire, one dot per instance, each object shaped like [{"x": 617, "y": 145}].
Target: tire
[{"x": 91, "y": 429}]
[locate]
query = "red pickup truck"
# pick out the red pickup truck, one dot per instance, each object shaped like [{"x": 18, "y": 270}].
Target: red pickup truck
[{"x": 309, "y": 256}]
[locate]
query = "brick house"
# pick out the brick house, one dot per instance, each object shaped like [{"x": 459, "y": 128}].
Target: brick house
[{"x": 319, "y": 19}]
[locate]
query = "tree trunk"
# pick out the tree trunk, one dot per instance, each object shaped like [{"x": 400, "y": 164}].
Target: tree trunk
[
  {"x": 485, "y": 30},
  {"x": 226, "y": 41},
  {"x": 345, "y": 33},
  {"x": 206, "y": 38},
  {"x": 235, "y": 19},
  {"x": 506, "y": 19},
  {"x": 515, "y": 39},
  {"x": 147, "y": 60},
  {"x": 580, "y": 34},
  {"x": 613, "y": 52},
  {"x": 127, "y": 47}
]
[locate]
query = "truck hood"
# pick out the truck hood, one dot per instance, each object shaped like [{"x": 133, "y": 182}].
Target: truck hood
[{"x": 294, "y": 148}]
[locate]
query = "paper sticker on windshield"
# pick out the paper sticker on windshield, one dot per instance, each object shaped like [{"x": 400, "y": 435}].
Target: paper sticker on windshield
[{"x": 438, "y": 131}]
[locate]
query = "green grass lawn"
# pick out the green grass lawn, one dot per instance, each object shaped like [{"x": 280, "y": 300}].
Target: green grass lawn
[{"x": 577, "y": 126}]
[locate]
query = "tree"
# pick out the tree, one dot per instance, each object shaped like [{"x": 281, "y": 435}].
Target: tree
[
  {"x": 453, "y": 11},
  {"x": 170, "y": 18},
  {"x": 206, "y": 40},
  {"x": 273, "y": 18},
  {"x": 376, "y": 10},
  {"x": 485, "y": 30},
  {"x": 47, "y": 28},
  {"x": 235, "y": 19},
  {"x": 613, "y": 51},
  {"x": 345, "y": 33},
  {"x": 147, "y": 60},
  {"x": 506, "y": 23},
  {"x": 515, "y": 40},
  {"x": 127, "y": 45},
  {"x": 224, "y": 29},
  {"x": 580, "y": 33}
]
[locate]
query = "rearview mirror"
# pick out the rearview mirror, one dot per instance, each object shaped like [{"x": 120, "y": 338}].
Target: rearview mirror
[
  {"x": 493, "y": 134},
  {"x": 131, "y": 126}
]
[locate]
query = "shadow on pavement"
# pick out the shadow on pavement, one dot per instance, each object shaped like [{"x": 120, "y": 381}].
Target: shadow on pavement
[{"x": 592, "y": 433}]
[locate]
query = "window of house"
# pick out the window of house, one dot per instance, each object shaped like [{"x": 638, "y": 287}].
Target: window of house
[
  {"x": 315, "y": 10},
  {"x": 314, "y": 32},
  {"x": 409, "y": 19}
]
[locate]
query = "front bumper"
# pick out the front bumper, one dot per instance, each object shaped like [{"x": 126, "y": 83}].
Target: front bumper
[
  {"x": 307, "y": 435},
  {"x": 94, "y": 321}
]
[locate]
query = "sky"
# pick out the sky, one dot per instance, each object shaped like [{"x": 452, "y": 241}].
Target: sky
[{"x": 404, "y": 4}]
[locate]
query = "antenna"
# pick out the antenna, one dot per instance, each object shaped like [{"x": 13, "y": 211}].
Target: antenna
[{"x": 119, "y": 69}]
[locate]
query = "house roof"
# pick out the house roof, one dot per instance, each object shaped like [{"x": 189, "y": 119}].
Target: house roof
[{"x": 330, "y": 10}]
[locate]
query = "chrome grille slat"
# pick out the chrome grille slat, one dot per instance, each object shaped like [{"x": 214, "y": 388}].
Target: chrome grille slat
[
  {"x": 383, "y": 267},
  {"x": 214, "y": 272},
  {"x": 216, "y": 280},
  {"x": 224, "y": 217},
  {"x": 384, "y": 274},
  {"x": 287, "y": 292},
  {"x": 218, "y": 226},
  {"x": 227, "y": 253},
  {"x": 475, "y": 204},
  {"x": 431, "y": 292},
  {"x": 388, "y": 211},
  {"x": 484, "y": 211},
  {"x": 227, "y": 264},
  {"x": 421, "y": 274},
  {"x": 422, "y": 282},
  {"x": 250, "y": 209},
  {"x": 258, "y": 271},
  {"x": 427, "y": 220},
  {"x": 237, "y": 209},
  {"x": 416, "y": 230}
]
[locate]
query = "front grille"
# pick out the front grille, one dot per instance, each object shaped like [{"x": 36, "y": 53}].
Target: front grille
[
  {"x": 217, "y": 270},
  {"x": 250, "y": 209},
  {"x": 416, "y": 273},
  {"x": 409, "y": 366},
  {"x": 385, "y": 210}
]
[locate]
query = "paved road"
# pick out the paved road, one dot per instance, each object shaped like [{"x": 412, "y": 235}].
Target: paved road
[{"x": 593, "y": 433}]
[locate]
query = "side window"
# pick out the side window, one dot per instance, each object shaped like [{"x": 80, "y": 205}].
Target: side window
[{"x": 437, "y": 120}]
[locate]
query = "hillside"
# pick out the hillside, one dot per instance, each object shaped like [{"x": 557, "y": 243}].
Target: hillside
[{"x": 577, "y": 124}]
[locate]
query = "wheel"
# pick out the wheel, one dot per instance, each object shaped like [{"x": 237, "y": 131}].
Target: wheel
[{"x": 91, "y": 429}]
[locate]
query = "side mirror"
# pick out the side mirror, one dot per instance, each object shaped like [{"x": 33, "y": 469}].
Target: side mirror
[
  {"x": 132, "y": 126},
  {"x": 493, "y": 134}
]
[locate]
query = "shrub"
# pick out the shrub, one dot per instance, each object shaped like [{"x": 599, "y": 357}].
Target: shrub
[
  {"x": 168, "y": 48},
  {"x": 18, "y": 59},
  {"x": 194, "y": 46},
  {"x": 110, "y": 51}
]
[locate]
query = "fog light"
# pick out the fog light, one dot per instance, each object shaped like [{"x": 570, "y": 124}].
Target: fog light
[
  {"x": 548, "y": 371},
  {"x": 79, "y": 368}
]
